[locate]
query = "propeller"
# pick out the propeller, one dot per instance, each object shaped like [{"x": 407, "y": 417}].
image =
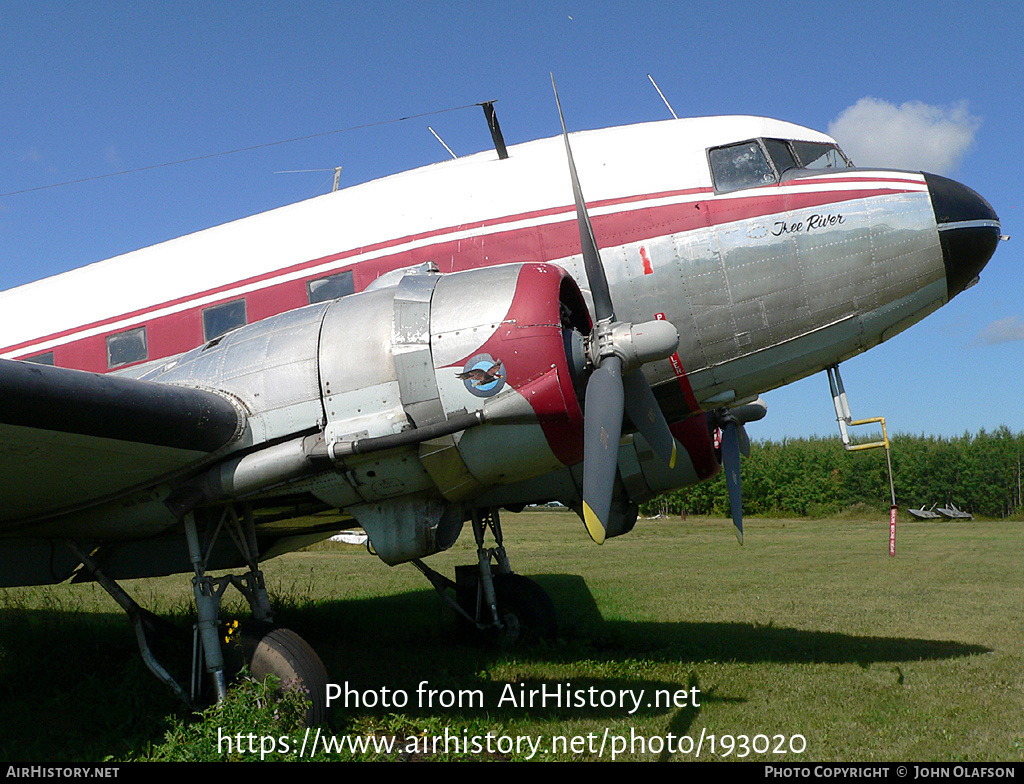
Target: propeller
[
  {"x": 735, "y": 441},
  {"x": 617, "y": 350}
]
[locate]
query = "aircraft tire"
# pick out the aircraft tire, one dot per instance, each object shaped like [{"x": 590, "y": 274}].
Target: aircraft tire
[
  {"x": 532, "y": 608},
  {"x": 273, "y": 650}
]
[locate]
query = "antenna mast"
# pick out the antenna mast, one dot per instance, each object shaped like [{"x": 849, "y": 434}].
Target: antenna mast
[
  {"x": 674, "y": 116},
  {"x": 442, "y": 142}
]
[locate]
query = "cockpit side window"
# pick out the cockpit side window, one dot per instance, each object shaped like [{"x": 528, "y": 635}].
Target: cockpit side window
[
  {"x": 820, "y": 155},
  {"x": 739, "y": 166}
]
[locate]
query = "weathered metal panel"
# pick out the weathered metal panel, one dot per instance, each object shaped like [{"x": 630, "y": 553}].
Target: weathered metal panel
[
  {"x": 410, "y": 527},
  {"x": 467, "y": 309},
  {"x": 270, "y": 366},
  {"x": 355, "y": 347},
  {"x": 411, "y": 346}
]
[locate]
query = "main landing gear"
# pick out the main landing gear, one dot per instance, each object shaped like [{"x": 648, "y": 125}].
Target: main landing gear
[
  {"x": 489, "y": 597},
  {"x": 222, "y": 651}
]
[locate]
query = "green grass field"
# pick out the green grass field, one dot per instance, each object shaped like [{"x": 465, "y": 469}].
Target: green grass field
[{"x": 810, "y": 630}]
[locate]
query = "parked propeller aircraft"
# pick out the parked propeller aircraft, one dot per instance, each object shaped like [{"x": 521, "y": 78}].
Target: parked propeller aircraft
[{"x": 425, "y": 349}]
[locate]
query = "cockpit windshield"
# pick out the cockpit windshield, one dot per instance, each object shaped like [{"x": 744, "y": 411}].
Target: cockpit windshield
[
  {"x": 781, "y": 155},
  {"x": 764, "y": 161},
  {"x": 740, "y": 166},
  {"x": 820, "y": 155}
]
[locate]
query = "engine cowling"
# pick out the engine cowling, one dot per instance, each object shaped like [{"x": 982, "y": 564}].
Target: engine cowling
[{"x": 506, "y": 341}]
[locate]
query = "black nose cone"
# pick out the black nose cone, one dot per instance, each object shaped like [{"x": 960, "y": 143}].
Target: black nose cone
[{"x": 968, "y": 230}]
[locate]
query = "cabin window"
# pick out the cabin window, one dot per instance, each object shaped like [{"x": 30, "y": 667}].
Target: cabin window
[
  {"x": 331, "y": 287},
  {"x": 127, "y": 347},
  {"x": 223, "y": 318},
  {"x": 820, "y": 155},
  {"x": 41, "y": 359},
  {"x": 739, "y": 166}
]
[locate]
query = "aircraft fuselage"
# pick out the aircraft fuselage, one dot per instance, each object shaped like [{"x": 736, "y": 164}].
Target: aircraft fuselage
[{"x": 768, "y": 271}]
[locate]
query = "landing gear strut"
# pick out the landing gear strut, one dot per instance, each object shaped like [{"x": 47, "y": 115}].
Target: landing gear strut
[
  {"x": 489, "y": 597},
  {"x": 258, "y": 645}
]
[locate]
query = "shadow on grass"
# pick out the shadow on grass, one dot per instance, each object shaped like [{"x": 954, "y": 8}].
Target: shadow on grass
[
  {"x": 73, "y": 686},
  {"x": 417, "y": 618}
]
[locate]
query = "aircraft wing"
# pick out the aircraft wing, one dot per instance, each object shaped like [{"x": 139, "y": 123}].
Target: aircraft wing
[{"x": 70, "y": 439}]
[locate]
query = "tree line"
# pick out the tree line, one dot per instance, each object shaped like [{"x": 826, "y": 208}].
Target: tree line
[{"x": 816, "y": 477}]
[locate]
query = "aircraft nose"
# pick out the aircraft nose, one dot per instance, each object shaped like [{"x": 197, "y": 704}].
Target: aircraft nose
[{"x": 968, "y": 230}]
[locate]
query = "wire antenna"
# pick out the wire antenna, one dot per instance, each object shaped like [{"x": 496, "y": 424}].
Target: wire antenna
[
  {"x": 336, "y": 170},
  {"x": 239, "y": 150}
]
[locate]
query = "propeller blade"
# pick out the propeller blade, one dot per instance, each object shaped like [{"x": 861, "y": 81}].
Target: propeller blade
[
  {"x": 602, "y": 427},
  {"x": 608, "y": 393},
  {"x": 596, "y": 278},
  {"x": 645, "y": 414},
  {"x": 731, "y": 464},
  {"x": 744, "y": 440}
]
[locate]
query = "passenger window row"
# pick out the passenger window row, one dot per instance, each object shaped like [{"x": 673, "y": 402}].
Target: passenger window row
[{"x": 131, "y": 345}]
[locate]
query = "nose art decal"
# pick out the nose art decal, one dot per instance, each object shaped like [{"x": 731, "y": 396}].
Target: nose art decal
[{"x": 483, "y": 375}]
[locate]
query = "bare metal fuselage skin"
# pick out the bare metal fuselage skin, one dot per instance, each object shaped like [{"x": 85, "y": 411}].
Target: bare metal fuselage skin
[
  {"x": 767, "y": 299},
  {"x": 764, "y": 284}
]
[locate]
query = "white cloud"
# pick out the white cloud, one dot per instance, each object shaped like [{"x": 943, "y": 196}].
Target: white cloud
[
  {"x": 912, "y": 136},
  {"x": 1003, "y": 331}
]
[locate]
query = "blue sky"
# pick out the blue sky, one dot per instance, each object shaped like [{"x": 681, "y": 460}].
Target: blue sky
[{"x": 93, "y": 89}]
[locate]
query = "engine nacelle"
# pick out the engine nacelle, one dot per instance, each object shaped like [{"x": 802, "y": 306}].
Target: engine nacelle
[{"x": 403, "y": 367}]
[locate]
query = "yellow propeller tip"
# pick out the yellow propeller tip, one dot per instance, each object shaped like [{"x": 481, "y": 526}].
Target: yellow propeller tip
[
  {"x": 593, "y": 523},
  {"x": 672, "y": 460}
]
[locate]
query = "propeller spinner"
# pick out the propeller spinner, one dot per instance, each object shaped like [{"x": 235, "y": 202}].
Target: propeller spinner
[{"x": 618, "y": 350}]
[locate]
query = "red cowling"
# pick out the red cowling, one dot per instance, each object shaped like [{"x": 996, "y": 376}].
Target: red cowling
[
  {"x": 531, "y": 341},
  {"x": 694, "y": 435}
]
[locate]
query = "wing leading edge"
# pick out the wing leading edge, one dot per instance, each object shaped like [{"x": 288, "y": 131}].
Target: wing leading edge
[{"x": 69, "y": 439}]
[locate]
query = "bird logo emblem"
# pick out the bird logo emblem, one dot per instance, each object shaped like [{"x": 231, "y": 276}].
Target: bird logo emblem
[{"x": 483, "y": 375}]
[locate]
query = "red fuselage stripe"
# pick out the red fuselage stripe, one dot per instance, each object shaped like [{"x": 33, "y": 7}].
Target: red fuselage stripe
[{"x": 180, "y": 331}]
